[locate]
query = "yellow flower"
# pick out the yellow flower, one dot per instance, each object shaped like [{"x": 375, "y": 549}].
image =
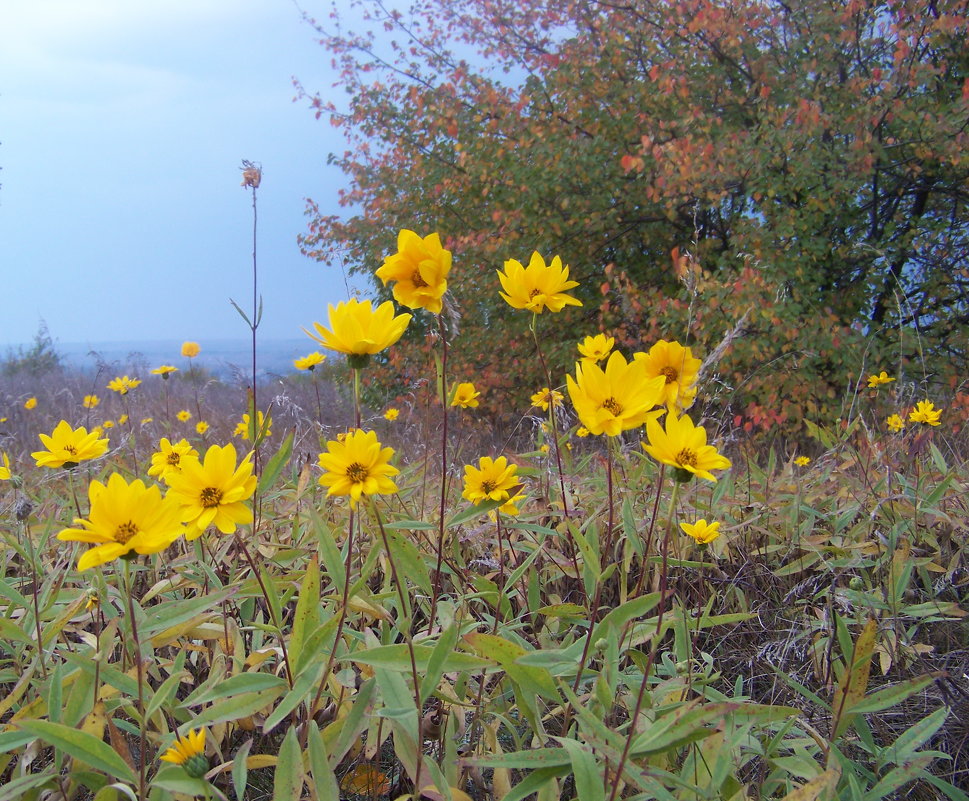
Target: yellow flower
[
  {"x": 359, "y": 330},
  {"x": 545, "y": 447},
  {"x": 30, "y": 403},
  {"x": 465, "y": 396},
  {"x": 90, "y": 401},
  {"x": 876, "y": 380},
  {"x": 146, "y": 420},
  {"x": 124, "y": 518},
  {"x": 419, "y": 269},
  {"x": 201, "y": 427},
  {"x": 164, "y": 371},
  {"x": 214, "y": 491},
  {"x": 391, "y": 414},
  {"x": 310, "y": 361},
  {"x": 242, "y": 427},
  {"x": 511, "y": 507},
  {"x": 582, "y": 431},
  {"x": 538, "y": 286},
  {"x": 491, "y": 480},
  {"x": 683, "y": 446},
  {"x": 122, "y": 385},
  {"x": 802, "y": 461},
  {"x": 925, "y": 412},
  {"x": 171, "y": 458},
  {"x": 702, "y": 531},
  {"x": 190, "y": 349},
  {"x": 680, "y": 370},
  {"x": 616, "y": 399},
  {"x": 67, "y": 446},
  {"x": 895, "y": 423},
  {"x": 4, "y": 467},
  {"x": 122, "y": 420},
  {"x": 184, "y": 415},
  {"x": 545, "y": 396},
  {"x": 357, "y": 466},
  {"x": 189, "y": 752},
  {"x": 595, "y": 349},
  {"x": 107, "y": 424}
]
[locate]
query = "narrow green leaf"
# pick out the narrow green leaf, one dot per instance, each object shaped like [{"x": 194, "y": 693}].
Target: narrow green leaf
[
  {"x": 236, "y": 708},
  {"x": 588, "y": 775},
  {"x": 883, "y": 699},
  {"x": 240, "y": 771},
  {"x": 235, "y": 685},
  {"x": 276, "y": 464},
  {"x": 288, "y": 781},
  {"x": 306, "y": 619},
  {"x": 81, "y": 746},
  {"x": 323, "y": 776}
]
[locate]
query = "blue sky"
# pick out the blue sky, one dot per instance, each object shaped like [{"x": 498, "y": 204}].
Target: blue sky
[{"x": 123, "y": 124}]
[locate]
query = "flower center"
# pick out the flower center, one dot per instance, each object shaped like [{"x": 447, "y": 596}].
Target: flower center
[
  {"x": 173, "y": 459},
  {"x": 488, "y": 487},
  {"x": 417, "y": 280},
  {"x": 670, "y": 373},
  {"x": 613, "y": 406},
  {"x": 687, "y": 456},
  {"x": 125, "y": 532},
  {"x": 533, "y": 293},
  {"x": 71, "y": 450},
  {"x": 210, "y": 496},
  {"x": 357, "y": 473}
]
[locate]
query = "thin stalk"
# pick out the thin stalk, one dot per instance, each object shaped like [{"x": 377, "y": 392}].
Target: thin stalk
[
  {"x": 272, "y": 613},
  {"x": 652, "y": 651},
  {"x": 551, "y": 417},
  {"x": 254, "y": 324},
  {"x": 34, "y": 593},
  {"x": 436, "y": 589},
  {"x": 139, "y": 671},
  {"x": 405, "y": 629}
]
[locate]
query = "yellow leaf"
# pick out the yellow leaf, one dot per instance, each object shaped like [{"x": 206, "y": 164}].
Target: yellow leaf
[{"x": 365, "y": 779}]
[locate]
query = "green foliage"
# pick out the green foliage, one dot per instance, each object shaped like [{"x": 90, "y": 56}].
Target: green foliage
[{"x": 38, "y": 359}]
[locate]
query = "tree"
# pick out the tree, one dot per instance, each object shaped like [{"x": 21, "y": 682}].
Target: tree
[{"x": 801, "y": 167}]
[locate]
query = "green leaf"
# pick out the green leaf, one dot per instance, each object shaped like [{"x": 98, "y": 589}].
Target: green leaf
[
  {"x": 240, "y": 771},
  {"x": 238, "y": 707},
  {"x": 167, "y": 615},
  {"x": 276, "y": 464},
  {"x": 81, "y": 746},
  {"x": 913, "y": 737},
  {"x": 531, "y": 679},
  {"x": 523, "y": 760},
  {"x": 684, "y": 725},
  {"x": 397, "y": 658},
  {"x": 288, "y": 781},
  {"x": 588, "y": 775},
  {"x": 408, "y": 560},
  {"x": 305, "y": 682},
  {"x": 306, "y": 619},
  {"x": 473, "y": 512},
  {"x": 323, "y": 776},
  {"x": 891, "y": 696},
  {"x": 235, "y": 685},
  {"x": 176, "y": 780}
]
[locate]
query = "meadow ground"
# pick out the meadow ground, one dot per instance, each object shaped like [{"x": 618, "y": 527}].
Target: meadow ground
[{"x": 332, "y": 620}]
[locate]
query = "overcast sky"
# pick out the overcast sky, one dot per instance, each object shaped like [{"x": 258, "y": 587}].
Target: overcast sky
[{"x": 123, "y": 124}]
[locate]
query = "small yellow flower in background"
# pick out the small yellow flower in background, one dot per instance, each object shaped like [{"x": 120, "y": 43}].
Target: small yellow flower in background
[
  {"x": 925, "y": 412},
  {"x": 190, "y": 349},
  {"x": 802, "y": 461},
  {"x": 538, "y": 286},
  {"x": 545, "y": 396},
  {"x": 201, "y": 427},
  {"x": 597, "y": 348},
  {"x": 214, "y": 491},
  {"x": 702, "y": 531},
  {"x": 679, "y": 368},
  {"x": 684, "y": 446},
  {"x": 242, "y": 427},
  {"x": 125, "y": 517},
  {"x": 93, "y": 601},
  {"x": 875, "y": 381},
  {"x": 146, "y": 420},
  {"x": 582, "y": 431},
  {"x": 171, "y": 458},
  {"x": 90, "y": 401},
  {"x": 310, "y": 361},
  {"x": 184, "y": 415},
  {"x": 123, "y": 385},
  {"x": 616, "y": 399},
  {"x": 491, "y": 480},
  {"x": 359, "y": 330},
  {"x": 465, "y": 395},
  {"x": 357, "y": 466},
  {"x": 189, "y": 752},
  {"x": 419, "y": 271},
  {"x": 895, "y": 423},
  {"x": 30, "y": 403},
  {"x": 391, "y": 414},
  {"x": 544, "y": 447},
  {"x": 164, "y": 371},
  {"x": 4, "y": 467},
  {"x": 67, "y": 446},
  {"x": 122, "y": 420},
  {"x": 107, "y": 424}
]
